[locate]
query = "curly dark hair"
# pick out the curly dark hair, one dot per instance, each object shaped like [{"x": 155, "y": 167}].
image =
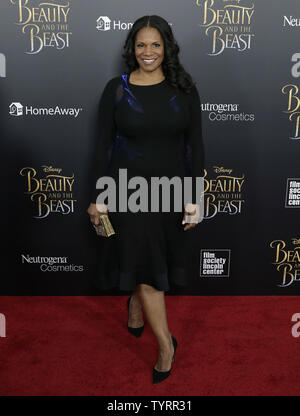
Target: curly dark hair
[{"x": 174, "y": 72}]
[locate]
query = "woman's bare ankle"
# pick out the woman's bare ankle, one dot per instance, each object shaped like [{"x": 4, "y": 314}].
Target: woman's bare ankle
[
  {"x": 166, "y": 344},
  {"x": 135, "y": 301},
  {"x": 135, "y": 318}
]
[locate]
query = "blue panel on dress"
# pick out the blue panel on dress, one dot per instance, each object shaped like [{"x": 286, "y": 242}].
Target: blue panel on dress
[
  {"x": 174, "y": 103},
  {"x": 130, "y": 97},
  {"x": 121, "y": 144}
]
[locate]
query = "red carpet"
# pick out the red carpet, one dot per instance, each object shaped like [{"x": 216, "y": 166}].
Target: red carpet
[{"x": 227, "y": 345}]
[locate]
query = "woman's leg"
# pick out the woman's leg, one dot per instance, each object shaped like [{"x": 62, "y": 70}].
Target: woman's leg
[
  {"x": 135, "y": 318},
  {"x": 153, "y": 304}
]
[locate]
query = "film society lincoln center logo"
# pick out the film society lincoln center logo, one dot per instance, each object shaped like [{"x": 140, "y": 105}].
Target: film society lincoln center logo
[
  {"x": 215, "y": 262},
  {"x": 50, "y": 191},
  {"x": 44, "y": 23}
]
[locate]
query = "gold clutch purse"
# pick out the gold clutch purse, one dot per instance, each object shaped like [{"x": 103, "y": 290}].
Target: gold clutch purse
[{"x": 105, "y": 228}]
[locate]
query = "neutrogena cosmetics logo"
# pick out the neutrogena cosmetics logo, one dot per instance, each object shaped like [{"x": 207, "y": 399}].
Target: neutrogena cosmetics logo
[
  {"x": 52, "y": 263},
  {"x": 18, "y": 109},
  {"x": 226, "y": 112},
  {"x": 291, "y": 21}
]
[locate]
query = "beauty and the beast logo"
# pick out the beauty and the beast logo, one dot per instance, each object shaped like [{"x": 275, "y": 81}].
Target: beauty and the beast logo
[
  {"x": 228, "y": 27},
  {"x": 46, "y": 24},
  {"x": 51, "y": 193},
  {"x": 287, "y": 261},
  {"x": 222, "y": 193},
  {"x": 293, "y": 106}
]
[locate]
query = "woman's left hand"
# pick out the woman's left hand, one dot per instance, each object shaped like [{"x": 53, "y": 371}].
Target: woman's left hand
[{"x": 191, "y": 211}]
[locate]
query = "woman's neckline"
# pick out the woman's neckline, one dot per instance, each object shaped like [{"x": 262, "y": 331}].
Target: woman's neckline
[{"x": 146, "y": 85}]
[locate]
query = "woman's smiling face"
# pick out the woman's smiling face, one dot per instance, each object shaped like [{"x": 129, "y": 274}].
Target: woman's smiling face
[{"x": 149, "y": 48}]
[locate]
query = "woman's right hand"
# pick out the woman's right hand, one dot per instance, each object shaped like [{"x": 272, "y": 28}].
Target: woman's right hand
[{"x": 94, "y": 213}]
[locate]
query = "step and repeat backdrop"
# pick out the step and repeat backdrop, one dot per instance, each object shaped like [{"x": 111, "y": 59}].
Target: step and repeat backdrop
[{"x": 55, "y": 59}]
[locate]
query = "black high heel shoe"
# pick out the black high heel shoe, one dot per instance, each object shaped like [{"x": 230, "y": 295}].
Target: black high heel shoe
[
  {"x": 137, "y": 332},
  {"x": 159, "y": 376}
]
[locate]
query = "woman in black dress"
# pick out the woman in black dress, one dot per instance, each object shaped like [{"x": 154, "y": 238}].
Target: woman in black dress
[{"x": 150, "y": 125}]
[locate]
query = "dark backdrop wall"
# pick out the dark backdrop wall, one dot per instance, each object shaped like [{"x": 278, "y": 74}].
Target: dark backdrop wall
[{"x": 54, "y": 62}]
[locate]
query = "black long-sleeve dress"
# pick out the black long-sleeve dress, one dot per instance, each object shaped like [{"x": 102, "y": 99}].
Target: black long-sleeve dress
[{"x": 152, "y": 131}]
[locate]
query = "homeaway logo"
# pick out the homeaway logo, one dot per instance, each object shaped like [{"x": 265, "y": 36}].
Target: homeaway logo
[
  {"x": 2, "y": 326},
  {"x": 2, "y": 65},
  {"x": 17, "y": 109},
  {"x": 104, "y": 23}
]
